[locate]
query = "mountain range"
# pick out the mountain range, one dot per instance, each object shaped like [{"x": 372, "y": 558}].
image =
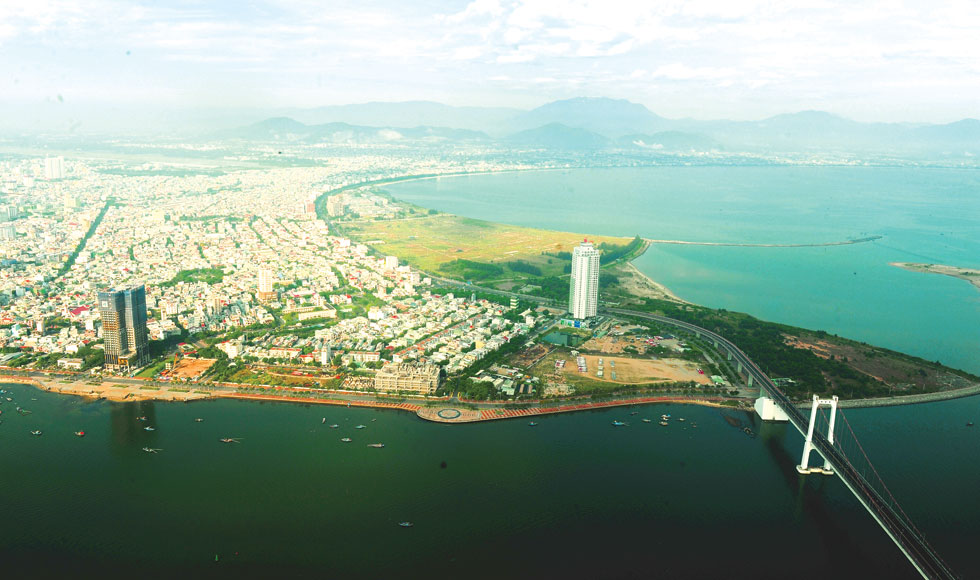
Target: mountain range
[{"x": 600, "y": 124}]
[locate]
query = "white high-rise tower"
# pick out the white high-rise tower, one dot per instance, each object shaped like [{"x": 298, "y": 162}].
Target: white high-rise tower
[
  {"x": 583, "y": 292},
  {"x": 54, "y": 168},
  {"x": 265, "y": 284}
]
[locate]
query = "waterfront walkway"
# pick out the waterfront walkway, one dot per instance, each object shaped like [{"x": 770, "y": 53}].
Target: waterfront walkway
[{"x": 461, "y": 414}]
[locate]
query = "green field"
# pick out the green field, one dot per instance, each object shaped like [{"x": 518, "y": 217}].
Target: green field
[{"x": 434, "y": 243}]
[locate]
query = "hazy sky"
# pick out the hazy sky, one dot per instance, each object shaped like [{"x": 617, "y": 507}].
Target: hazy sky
[{"x": 869, "y": 60}]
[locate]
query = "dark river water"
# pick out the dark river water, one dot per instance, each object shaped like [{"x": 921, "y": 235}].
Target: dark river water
[{"x": 572, "y": 496}]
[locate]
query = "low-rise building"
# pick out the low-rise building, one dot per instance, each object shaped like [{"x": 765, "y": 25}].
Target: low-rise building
[{"x": 417, "y": 378}]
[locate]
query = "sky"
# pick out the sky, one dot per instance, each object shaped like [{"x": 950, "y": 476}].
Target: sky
[{"x": 707, "y": 59}]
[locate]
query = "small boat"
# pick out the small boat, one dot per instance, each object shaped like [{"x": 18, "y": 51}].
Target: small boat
[
  {"x": 323, "y": 421},
  {"x": 969, "y": 423},
  {"x": 148, "y": 428},
  {"x": 346, "y": 439},
  {"x": 634, "y": 413},
  {"x": 150, "y": 450},
  {"x": 681, "y": 419},
  {"x": 645, "y": 420},
  {"x": 376, "y": 445},
  {"x": 618, "y": 424},
  {"x": 406, "y": 524},
  {"x": 532, "y": 424},
  {"x": 9, "y": 399},
  {"x": 80, "y": 433},
  {"x": 334, "y": 426},
  {"x": 373, "y": 420},
  {"x": 361, "y": 427},
  {"x": 229, "y": 440},
  {"x": 143, "y": 418},
  {"x": 36, "y": 433},
  {"x": 199, "y": 420},
  {"x": 664, "y": 423}
]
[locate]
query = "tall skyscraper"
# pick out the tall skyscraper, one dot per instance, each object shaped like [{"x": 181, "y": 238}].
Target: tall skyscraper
[
  {"x": 54, "y": 168},
  {"x": 124, "y": 328},
  {"x": 265, "y": 284},
  {"x": 583, "y": 291}
]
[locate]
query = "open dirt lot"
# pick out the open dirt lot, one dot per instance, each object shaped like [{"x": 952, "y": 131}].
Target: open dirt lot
[
  {"x": 191, "y": 368},
  {"x": 629, "y": 371}
]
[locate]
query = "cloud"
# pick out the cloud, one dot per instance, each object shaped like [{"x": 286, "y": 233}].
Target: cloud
[{"x": 786, "y": 49}]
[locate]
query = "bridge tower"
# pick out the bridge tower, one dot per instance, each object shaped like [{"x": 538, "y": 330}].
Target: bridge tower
[{"x": 808, "y": 446}]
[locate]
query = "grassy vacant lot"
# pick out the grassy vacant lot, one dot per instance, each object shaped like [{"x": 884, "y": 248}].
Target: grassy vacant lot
[{"x": 430, "y": 241}]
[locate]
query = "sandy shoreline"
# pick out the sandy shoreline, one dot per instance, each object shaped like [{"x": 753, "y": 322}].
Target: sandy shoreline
[
  {"x": 967, "y": 274},
  {"x": 635, "y": 282},
  {"x": 110, "y": 391}
]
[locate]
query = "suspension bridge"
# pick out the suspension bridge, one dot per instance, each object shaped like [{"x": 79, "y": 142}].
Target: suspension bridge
[{"x": 842, "y": 452}]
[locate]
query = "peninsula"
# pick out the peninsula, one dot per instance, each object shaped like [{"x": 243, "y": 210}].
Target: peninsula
[{"x": 970, "y": 275}]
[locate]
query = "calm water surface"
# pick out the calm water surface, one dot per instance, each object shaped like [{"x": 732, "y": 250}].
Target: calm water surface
[
  {"x": 924, "y": 215},
  {"x": 573, "y": 495}
]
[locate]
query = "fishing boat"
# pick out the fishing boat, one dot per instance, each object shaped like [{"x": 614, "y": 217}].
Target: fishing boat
[
  {"x": 199, "y": 420},
  {"x": 346, "y": 439},
  {"x": 618, "y": 424},
  {"x": 150, "y": 450},
  {"x": 361, "y": 427},
  {"x": 148, "y": 428},
  {"x": 334, "y": 426},
  {"x": 406, "y": 524},
  {"x": 645, "y": 420},
  {"x": 376, "y": 445},
  {"x": 80, "y": 433},
  {"x": 229, "y": 440},
  {"x": 36, "y": 433},
  {"x": 664, "y": 423}
]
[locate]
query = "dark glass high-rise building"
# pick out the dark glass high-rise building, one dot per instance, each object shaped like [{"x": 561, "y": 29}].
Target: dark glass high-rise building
[{"x": 124, "y": 328}]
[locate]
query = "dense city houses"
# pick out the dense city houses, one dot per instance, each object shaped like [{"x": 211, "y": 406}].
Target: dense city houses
[{"x": 221, "y": 252}]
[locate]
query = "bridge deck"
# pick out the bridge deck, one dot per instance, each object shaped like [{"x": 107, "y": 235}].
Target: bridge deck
[{"x": 895, "y": 523}]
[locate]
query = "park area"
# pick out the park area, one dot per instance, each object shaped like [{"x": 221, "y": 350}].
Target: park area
[{"x": 432, "y": 241}]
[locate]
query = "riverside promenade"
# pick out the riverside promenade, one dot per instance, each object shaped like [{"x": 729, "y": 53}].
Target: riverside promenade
[{"x": 463, "y": 414}]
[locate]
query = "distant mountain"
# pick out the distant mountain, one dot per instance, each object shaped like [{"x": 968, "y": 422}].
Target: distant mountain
[
  {"x": 964, "y": 131},
  {"x": 408, "y": 114},
  {"x": 287, "y": 129},
  {"x": 669, "y": 141},
  {"x": 558, "y": 136},
  {"x": 584, "y": 124},
  {"x": 608, "y": 117}
]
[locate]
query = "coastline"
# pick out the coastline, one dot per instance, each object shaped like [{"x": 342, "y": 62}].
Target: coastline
[
  {"x": 426, "y": 410},
  {"x": 969, "y": 275}
]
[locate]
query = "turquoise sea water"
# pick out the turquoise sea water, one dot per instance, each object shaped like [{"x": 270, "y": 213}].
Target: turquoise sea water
[
  {"x": 924, "y": 215},
  {"x": 572, "y": 497}
]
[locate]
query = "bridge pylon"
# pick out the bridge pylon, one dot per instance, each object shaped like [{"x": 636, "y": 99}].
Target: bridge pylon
[{"x": 827, "y": 469}]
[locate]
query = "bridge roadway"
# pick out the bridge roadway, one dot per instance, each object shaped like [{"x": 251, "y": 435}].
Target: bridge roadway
[{"x": 898, "y": 527}]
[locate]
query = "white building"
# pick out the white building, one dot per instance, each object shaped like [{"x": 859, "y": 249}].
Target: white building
[
  {"x": 265, "y": 284},
  {"x": 583, "y": 291},
  {"x": 391, "y": 262},
  {"x": 54, "y": 168}
]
